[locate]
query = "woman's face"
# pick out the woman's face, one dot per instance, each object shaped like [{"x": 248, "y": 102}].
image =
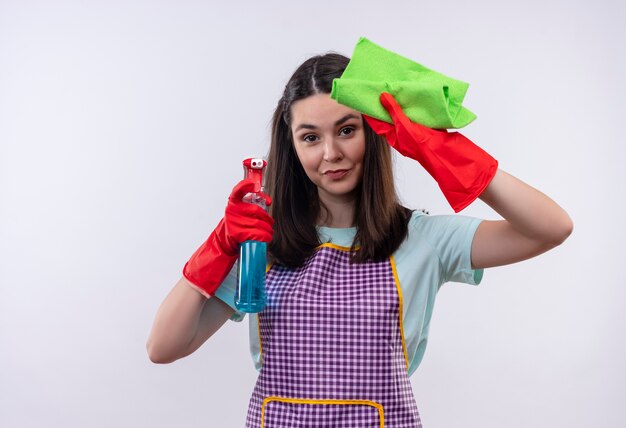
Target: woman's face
[{"x": 329, "y": 140}]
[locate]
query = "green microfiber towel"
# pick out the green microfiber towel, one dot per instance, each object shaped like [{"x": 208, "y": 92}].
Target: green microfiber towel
[{"x": 426, "y": 97}]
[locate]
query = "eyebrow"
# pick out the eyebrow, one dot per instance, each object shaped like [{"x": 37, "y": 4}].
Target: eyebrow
[{"x": 337, "y": 123}]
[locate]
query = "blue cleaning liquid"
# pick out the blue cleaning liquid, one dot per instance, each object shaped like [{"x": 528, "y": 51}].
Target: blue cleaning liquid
[{"x": 250, "y": 294}]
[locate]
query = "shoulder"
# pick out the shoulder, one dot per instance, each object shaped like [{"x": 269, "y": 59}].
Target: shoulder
[
  {"x": 426, "y": 224},
  {"x": 419, "y": 236},
  {"x": 443, "y": 232},
  {"x": 417, "y": 216},
  {"x": 444, "y": 241}
]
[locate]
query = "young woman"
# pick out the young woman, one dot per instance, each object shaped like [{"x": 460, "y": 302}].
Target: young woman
[{"x": 354, "y": 274}]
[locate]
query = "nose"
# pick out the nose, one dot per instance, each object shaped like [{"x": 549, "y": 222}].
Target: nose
[{"x": 332, "y": 150}]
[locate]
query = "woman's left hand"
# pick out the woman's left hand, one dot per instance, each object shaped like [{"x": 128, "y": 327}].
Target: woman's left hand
[{"x": 461, "y": 168}]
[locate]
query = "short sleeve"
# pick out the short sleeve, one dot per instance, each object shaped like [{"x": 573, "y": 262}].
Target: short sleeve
[
  {"x": 452, "y": 237},
  {"x": 226, "y": 293}
]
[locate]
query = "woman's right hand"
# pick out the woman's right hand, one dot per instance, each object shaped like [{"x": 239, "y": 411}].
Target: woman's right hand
[{"x": 243, "y": 221}]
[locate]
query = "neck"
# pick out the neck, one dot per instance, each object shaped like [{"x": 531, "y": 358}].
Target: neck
[{"x": 339, "y": 212}]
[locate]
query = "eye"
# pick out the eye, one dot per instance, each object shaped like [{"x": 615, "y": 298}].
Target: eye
[
  {"x": 308, "y": 137},
  {"x": 350, "y": 130}
]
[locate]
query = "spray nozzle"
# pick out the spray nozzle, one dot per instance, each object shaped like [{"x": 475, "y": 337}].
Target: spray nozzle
[{"x": 255, "y": 168}]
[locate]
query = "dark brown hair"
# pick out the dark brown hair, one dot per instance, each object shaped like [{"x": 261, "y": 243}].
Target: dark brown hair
[{"x": 381, "y": 222}]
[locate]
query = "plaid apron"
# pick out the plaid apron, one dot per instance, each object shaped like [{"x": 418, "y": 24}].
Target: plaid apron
[{"x": 332, "y": 347}]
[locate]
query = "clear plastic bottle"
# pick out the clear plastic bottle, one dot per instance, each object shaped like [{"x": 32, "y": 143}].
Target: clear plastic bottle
[{"x": 250, "y": 293}]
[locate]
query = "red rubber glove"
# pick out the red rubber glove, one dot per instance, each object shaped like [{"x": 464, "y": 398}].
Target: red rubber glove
[
  {"x": 461, "y": 168},
  {"x": 243, "y": 221}
]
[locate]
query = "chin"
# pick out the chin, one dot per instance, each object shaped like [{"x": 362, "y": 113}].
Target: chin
[{"x": 344, "y": 190}]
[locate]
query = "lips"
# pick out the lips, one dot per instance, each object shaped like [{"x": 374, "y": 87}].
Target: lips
[{"x": 336, "y": 174}]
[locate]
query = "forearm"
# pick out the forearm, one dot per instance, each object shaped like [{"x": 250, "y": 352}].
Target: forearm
[
  {"x": 176, "y": 323},
  {"x": 526, "y": 209}
]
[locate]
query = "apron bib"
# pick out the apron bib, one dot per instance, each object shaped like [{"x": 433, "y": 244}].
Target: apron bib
[{"x": 332, "y": 347}]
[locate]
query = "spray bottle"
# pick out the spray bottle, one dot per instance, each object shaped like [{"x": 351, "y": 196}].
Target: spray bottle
[{"x": 250, "y": 293}]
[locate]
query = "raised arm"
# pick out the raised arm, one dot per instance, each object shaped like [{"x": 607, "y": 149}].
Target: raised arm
[
  {"x": 190, "y": 314},
  {"x": 533, "y": 223}
]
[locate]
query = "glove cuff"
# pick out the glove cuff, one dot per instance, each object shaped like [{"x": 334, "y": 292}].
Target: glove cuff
[{"x": 209, "y": 265}]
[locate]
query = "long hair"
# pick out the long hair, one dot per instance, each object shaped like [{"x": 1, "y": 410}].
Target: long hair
[{"x": 381, "y": 222}]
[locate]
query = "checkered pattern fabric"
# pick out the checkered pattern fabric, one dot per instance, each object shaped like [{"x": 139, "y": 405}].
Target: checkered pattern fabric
[{"x": 332, "y": 348}]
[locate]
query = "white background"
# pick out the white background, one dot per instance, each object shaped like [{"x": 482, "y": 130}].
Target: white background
[{"x": 122, "y": 129}]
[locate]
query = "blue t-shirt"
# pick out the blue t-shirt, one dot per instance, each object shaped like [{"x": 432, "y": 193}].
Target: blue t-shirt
[{"x": 437, "y": 250}]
